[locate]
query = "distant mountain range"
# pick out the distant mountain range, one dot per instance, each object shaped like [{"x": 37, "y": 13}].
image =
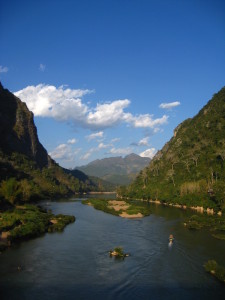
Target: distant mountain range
[
  {"x": 26, "y": 170},
  {"x": 117, "y": 170},
  {"x": 190, "y": 168}
]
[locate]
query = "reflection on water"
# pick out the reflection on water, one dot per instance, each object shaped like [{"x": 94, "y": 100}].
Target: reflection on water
[
  {"x": 75, "y": 264},
  {"x": 170, "y": 244}
]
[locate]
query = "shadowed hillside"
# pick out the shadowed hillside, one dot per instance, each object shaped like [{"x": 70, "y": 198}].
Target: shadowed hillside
[{"x": 27, "y": 171}]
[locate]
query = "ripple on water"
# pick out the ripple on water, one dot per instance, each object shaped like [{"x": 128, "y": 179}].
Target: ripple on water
[{"x": 76, "y": 264}]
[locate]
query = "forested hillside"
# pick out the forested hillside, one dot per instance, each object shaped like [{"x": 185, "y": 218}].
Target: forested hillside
[
  {"x": 26, "y": 170},
  {"x": 116, "y": 170},
  {"x": 190, "y": 168}
]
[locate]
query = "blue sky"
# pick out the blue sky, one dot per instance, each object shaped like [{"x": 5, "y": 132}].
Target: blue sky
[{"x": 96, "y": 73}]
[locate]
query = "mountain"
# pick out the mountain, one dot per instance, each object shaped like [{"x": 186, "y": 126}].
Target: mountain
[
  {"x": 190, "y": 168},
  {"x": 117, "y": 170},
  {"x": 26, "y": 170},
  {"x": 17, "y": 131},
  {"x": 97, "y": 184}
]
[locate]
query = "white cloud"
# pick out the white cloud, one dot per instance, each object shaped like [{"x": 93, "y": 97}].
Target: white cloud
[
  {"x": 145, "y": 121},
  {"x": 85, "y": 156},
  {"x": 115, "y": 140},
  {"x": 64, "y": 104},
  {"x": 95, "y": 135},
  {"x": 88, "y": 153},
  {"x": 121, "y": 151},
  {"x": 169, "y": 105},
  {"x": 58, "y": 103},
  {"x": 148, "y": 153},
  {"x": 143, "y": 142},
  {"x": 71, "y": 141},
  {"x": 108, "y": 115},
  {"x": 104, "y": 146},
  {"x": 42, "y": 67},
  {"x": 61, "y": 152},
  {"x": 3, "y": 69},
  {"x": 64, "y": 152}
]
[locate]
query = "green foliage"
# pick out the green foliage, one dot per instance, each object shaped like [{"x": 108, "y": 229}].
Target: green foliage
[
  {"x": 102, "y": 204},
  {"x": 9, "y": 189},
  {"x": 61, "y": 222},
  {"x": 28, "y": 221},
  {"x": 190, "y": 168},
  {"x": 216, "y": 224},
  {"x": 134, "y": 208},
  {"x": 216, "y": 270},
  {"x": 31, "y": 183}
]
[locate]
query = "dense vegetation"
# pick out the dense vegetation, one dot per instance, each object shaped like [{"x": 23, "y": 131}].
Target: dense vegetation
[
  {"x": 27, "y": 171},
  {"x": 190, "y": 168},
  {"x": 24, "y": 181},
  {"x": 215, "y": 223},
  {"x": 216, "y": 270},
  {"x": 28, "y": 221},
  {"x": 134, "y": 207}
]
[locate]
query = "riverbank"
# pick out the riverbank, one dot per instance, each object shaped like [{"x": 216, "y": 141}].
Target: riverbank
[
  {"x": 216, "y": 270},
  {"x": 199, "y": 209},
  {"x": 206, "y": 218},
  {"x": 28, "y": 221},
  {"x": 101, "y": 193},
  {"x": 121, "y": 208}
]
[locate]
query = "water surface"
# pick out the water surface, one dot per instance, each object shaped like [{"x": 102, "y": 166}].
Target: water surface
[{"x": 75, "y": 264}]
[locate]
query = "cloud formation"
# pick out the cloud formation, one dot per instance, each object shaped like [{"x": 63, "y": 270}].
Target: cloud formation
[
  {"x": 121, "y": 151},
  {"x": 94, "y": 135},
  {"x": 109, "y": 114},
  {"x": 62, "y": 151},
  {"x": 169, "y": 105},
  {"x": 72, "y": 141},
  {"x": 65, "y": 151},
  {"x": 148, "y": 153},
  {"x": 115, "y": 140},
  {"x": 142, "y": 142},
  {"x": 64, "y": 104},
  {"x": 42, "y": 67},
  {"x": 3, "y": 69},
  {"x": 104, "y": 146}
]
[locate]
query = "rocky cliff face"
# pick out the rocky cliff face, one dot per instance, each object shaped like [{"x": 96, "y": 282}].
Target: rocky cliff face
[{"x": 18, "y": 132}]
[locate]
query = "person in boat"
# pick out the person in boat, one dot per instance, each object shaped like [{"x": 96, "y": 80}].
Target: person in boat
[{"x": 171, "y": 238}]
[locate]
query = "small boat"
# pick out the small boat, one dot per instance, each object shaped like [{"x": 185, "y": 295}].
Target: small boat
[{"x": 171, "y": 238}]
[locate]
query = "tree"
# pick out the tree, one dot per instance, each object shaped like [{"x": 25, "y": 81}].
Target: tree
[
  {"x": 9, "y": 189},
  {"x": 170, "y": 175},
  {"x": 26, "y": 189}
]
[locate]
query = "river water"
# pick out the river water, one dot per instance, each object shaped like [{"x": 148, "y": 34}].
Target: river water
[{"x": 75, "y": 264}]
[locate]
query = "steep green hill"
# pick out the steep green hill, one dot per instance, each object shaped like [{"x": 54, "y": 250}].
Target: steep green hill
[
  {"x": 97, "y": 184},
  {"x": 190, "y": 168},
  {"x": 26, "y": 170},
  {"x": 116, "y": 170}
]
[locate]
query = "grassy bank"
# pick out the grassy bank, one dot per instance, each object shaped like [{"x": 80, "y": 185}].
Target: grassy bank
[
  {"x": 214, "y": 223},
  {"x": 216, "y": 270},
  {"x": 131, "y": 208},
  {"x": 28, "y": 221}
]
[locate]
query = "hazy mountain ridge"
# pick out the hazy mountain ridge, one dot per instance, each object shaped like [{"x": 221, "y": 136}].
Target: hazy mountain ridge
[
  {"x": 190, "y": 167},
  {"x": 117, "y": 170}
]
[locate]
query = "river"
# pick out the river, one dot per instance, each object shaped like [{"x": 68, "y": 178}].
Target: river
[{"x": 75, "y": 264}]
